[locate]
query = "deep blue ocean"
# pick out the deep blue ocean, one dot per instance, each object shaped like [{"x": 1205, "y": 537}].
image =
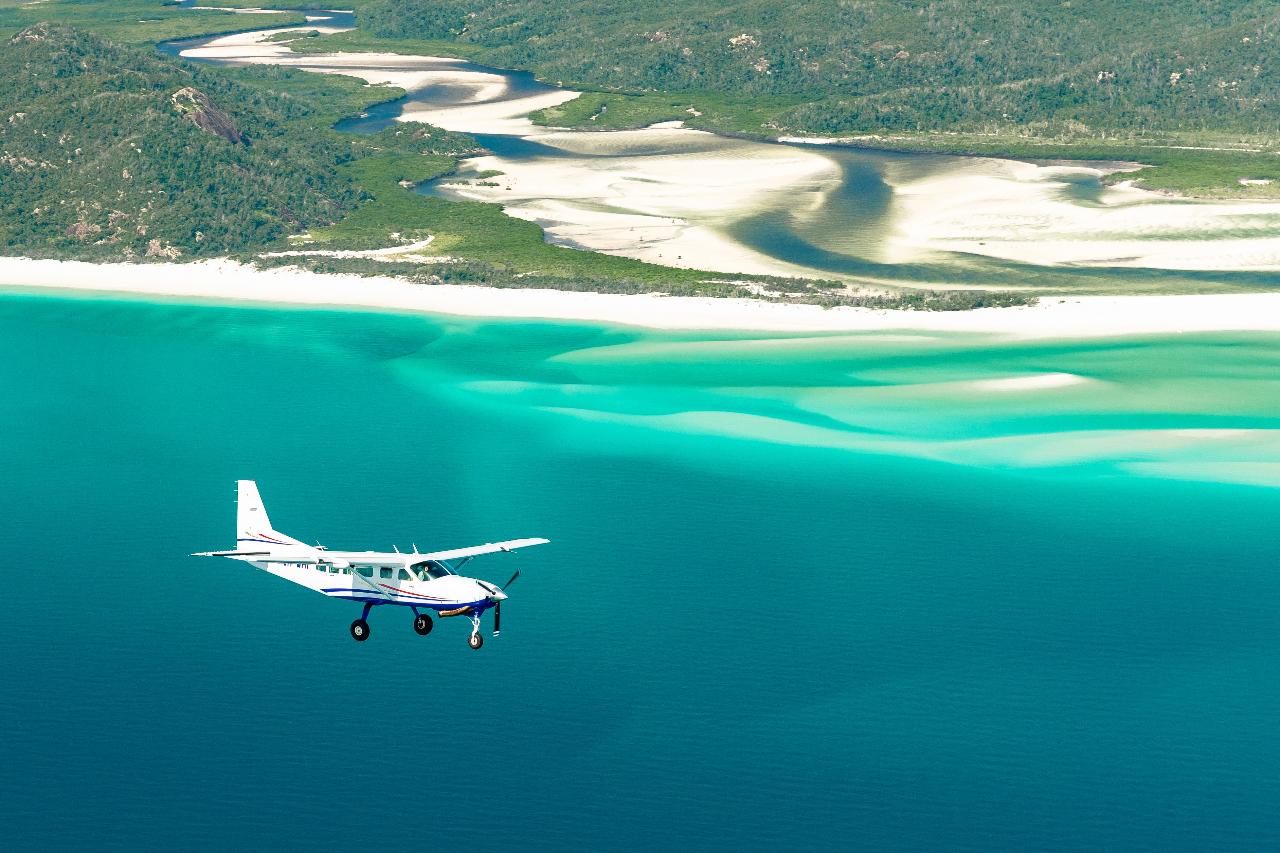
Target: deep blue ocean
[{"x": 823, "y": 593}]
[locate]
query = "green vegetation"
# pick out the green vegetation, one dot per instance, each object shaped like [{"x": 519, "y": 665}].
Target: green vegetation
[
  {"x": 292, "y": 35},
  {"x": 890, "y": 65},
  {"x": 478, "y": 272},
  {"x": 710, "y": 110},
  {"x": 1116, "y": 79},
  {"x": 298, "y": 5},
  {"x": 132, "y": 21},
  {"x": 110, "y": 150},
  {"x": 357, "y": 41},
  {"x": 504, "y": 246}
]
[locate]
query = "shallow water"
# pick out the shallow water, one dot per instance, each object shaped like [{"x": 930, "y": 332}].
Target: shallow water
[
  {"x": 874, "y": 592},
  {"x": 683, "y": 198}
]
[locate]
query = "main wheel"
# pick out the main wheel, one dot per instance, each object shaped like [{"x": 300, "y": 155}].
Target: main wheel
[
  {"x": 423, "y": 624},
  {"x": 475, "y": 641},
  {"x": 360, "y": 630}
]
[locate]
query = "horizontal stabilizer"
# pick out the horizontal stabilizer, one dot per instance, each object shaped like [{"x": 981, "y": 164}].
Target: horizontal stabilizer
[{"x": 232, "y": 554}]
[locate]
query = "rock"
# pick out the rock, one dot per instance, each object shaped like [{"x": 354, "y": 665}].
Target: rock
[
  {"x": 195, "y": 105},
  {"x": 35, "y": 32},
  {"x": 82, "y": 230},
  {"x": 156, "y": 249}
]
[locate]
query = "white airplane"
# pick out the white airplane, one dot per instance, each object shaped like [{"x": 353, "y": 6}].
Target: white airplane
[{"x": 421, "y": 582}]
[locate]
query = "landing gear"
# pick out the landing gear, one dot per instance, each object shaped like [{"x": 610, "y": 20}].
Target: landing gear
[
  {"x": 475, "y": 641},
  {"x": 360, "y": 627},
  {"x": 422, "y": 624}
]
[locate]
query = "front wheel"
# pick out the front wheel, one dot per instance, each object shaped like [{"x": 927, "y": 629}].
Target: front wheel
[
  {"x": 360, "y": 630},
  {"x": 422, "y": 624},
  {"x": 475, "y": 641}
]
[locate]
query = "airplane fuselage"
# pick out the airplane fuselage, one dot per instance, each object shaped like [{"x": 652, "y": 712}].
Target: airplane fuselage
[{"x": 381, "y": 584}]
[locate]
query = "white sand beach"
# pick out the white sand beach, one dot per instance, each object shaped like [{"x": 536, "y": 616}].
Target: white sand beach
[
  {"x": 673, "y": 195},
  {"x": 662, "y": 194},
  {"x": 1026, "y": 212},
  {"x": 224, "y": 281}
]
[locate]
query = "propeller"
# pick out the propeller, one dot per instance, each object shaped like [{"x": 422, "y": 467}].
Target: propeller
[{"x": 497, "y": 605}]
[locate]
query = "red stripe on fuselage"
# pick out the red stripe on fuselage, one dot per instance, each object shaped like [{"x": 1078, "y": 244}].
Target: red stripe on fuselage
[{"x": 400, "y": 591}]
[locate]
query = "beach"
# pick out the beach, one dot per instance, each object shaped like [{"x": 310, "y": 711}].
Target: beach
[
  {"x": 230, "y": 282},
  {"x": 683, "y": 197}
]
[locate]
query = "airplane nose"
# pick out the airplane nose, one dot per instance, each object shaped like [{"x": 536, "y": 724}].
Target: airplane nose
[{"x": 491, "y": 591}]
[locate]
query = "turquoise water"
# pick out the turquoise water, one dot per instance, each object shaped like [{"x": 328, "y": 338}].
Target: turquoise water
[{"x": 819, "y": 593}]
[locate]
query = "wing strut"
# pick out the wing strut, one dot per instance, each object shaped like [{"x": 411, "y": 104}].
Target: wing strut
[{"x": 369, "y": 583}]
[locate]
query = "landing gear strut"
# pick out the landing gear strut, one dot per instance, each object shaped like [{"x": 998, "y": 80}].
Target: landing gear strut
[
  {"x": 475, "y": 641},
  {"x": 360, "y": 627}
]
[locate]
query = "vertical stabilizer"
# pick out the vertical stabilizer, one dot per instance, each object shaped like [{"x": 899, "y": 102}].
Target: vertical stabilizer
[{"x": 252, "y": 523}]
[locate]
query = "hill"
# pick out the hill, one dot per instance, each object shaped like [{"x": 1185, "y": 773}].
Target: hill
[
  {"x": 109, "y": 150},
  {"x": 1084, "y": 67}
]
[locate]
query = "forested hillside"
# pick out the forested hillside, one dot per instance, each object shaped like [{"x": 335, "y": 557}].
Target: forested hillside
[
  {"x": 1088, "y": 66},
  {"x": 112, "y": 150}
]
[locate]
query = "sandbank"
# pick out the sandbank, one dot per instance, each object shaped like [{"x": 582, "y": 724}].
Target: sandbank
[{"x": 673, "y": 195}]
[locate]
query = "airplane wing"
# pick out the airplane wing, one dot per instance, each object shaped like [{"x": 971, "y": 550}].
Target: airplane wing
[
  {"x": 477, "y": 550},
  {"x": 346, "y": 559}
]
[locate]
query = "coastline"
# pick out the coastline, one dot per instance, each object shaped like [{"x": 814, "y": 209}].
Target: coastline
[
  {"x": 231, "y": 282},
  {"x": 671, "y": 195}
]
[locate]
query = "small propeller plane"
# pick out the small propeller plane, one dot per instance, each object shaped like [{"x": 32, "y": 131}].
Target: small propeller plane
[{"x": 421, "y": 582}]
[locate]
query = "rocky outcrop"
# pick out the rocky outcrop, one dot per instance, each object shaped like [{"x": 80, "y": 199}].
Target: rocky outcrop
[
  {"x": 160, "y": 249},
  {"x": 35, "y": 32},
  {"x": 195, "y": 105}
]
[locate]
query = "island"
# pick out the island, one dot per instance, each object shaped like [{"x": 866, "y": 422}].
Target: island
[{"x": 912, "y": 158}]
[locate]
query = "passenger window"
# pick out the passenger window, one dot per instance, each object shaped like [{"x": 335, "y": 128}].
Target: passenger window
[
  {"x": 333, "y": 570},
  {"x": 367, "y": 571},
  {"x": 404, "y": 576},
  {"x": 384, "y": 573}
]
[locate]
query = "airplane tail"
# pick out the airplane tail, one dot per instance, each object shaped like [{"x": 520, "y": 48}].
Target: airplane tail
[{"x": 252, "y": 523}]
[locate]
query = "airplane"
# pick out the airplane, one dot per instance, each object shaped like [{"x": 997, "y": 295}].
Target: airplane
[{"x": 420, "y": 581}]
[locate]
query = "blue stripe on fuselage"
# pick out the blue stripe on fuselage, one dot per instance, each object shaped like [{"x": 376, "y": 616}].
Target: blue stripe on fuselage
[{"x": 476, "y": 605}]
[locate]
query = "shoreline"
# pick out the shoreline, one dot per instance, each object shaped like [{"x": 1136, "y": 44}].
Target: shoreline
[
  {"x": 225, "y": 281},
  {"x": 672, "y": 195}
]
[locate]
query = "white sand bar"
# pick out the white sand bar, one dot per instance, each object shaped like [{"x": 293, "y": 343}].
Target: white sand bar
[{"x": 675, "y": 196}]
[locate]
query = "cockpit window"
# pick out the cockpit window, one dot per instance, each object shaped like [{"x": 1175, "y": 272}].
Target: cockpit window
[{"x": 432, "y": 570}]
